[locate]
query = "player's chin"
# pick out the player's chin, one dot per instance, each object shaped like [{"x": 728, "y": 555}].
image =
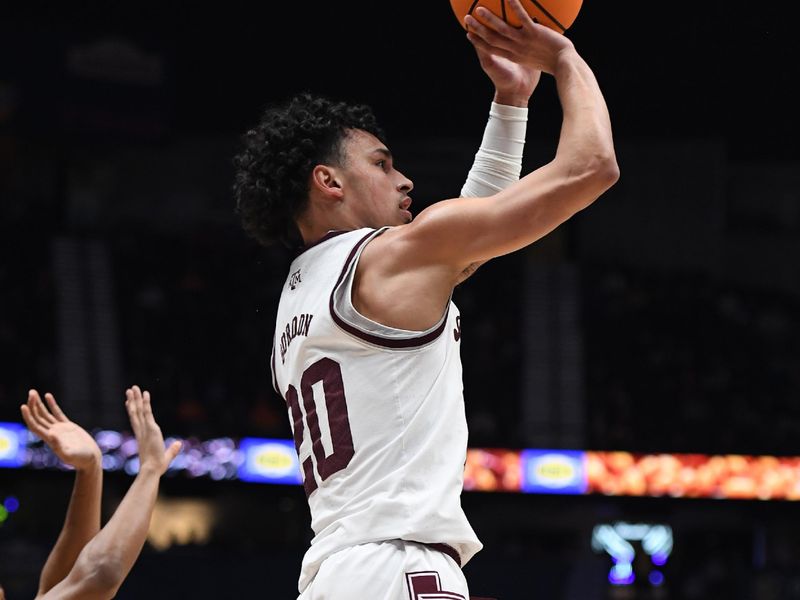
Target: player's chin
[{"x": 406, "y": 217}]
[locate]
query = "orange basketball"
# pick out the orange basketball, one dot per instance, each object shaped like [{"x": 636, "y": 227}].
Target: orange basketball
[{"x": 556, "y": 14}]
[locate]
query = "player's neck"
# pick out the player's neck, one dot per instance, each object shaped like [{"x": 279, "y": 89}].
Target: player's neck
[
  {"x": 315, "y": 224},
  {"x": 313, "y": 234}
]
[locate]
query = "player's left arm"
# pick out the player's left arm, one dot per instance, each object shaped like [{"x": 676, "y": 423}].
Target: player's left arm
[
  {"x": 74, "y": 447},
  {"x": 498, "y": 161}
]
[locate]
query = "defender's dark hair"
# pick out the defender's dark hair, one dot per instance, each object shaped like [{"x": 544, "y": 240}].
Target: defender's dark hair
[{"x": 273, "y": 168}]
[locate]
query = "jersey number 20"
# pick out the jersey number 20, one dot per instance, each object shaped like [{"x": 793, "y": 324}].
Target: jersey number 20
[{"x": 329, "y": 373}]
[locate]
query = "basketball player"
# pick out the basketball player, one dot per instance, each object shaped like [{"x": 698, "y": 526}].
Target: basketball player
[
  {"x": 88, "y": 562},
  {"x": 367, "y": 339}
]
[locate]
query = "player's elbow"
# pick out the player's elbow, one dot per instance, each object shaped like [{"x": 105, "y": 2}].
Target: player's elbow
[
  {"x": 590, "y": 176},
  {"x": 99, "y": 575},
  {"x": 108, "y": 576},
  {"x": 599, "y": 161},
  {"x": 606, "y": 171}
]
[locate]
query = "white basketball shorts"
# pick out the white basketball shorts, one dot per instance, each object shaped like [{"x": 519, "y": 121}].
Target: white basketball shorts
[{"x": 390, "y": 570}]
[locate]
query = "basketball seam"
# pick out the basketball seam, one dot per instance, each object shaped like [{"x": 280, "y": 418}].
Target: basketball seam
[{"x": 548, "y": 15}]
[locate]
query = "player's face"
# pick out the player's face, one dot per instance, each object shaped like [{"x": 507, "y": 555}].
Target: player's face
[{"x": 376, "y": 192}]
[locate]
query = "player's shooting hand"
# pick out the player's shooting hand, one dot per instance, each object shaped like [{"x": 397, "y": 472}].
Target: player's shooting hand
[
  {"x": 149, "y": 438},
  {"x": 532, "y": 46},
  {"x": 514, "y": 83},
  {"x": 70, "y": 442}
]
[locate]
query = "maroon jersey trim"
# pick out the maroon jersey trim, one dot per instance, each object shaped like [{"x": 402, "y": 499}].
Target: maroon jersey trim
[
  {"x": 379, "y": 340},
  {"x": 274, "y": 374},
  {"x": 331, "y": 234},
  {"x": 446, "y": 549}
]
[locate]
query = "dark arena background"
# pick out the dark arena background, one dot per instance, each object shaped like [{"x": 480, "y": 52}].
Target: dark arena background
[{"x": 632, "y": 381}]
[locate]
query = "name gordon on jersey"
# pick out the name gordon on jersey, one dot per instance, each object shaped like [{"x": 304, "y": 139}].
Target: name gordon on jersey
[{"x": 297, "y": 326}]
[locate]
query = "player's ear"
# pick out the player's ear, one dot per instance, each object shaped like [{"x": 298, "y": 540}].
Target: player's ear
[{"x": 326, "y": 180}]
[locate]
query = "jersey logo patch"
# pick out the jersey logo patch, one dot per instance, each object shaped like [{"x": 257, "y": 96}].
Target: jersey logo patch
[
  {"x": 457, "y": 330},
  {"x": 295, "y": 280}
]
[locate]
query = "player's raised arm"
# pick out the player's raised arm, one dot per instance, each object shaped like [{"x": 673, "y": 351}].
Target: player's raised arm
[
  {"x": 498, "y": 161},
  {"x": 450, "y": 235},
  {"x": 74, "y": 447}
]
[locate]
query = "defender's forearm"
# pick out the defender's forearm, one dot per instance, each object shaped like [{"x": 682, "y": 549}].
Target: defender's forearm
[{"x": 81, "y": 524}]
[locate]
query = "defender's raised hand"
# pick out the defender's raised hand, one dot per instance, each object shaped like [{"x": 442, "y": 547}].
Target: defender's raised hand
[
  {"x": 69, "y": 441},
  {"x": 148, "y": 434}
]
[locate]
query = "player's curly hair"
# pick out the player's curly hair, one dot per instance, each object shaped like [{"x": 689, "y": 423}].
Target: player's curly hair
[{"x": 273, "y": 168}]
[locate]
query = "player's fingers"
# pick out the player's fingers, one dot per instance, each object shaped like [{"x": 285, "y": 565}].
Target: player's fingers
[
  {"x": 29, "y": 419},
  {"x": 140, "y": 404},
  {"x": 478, "y": 27},
  {"x": 32, "y": 396},
  {"x": 485, "y": 49},
  {"x": 498, "y": 25},
  {"x": 490, "y": 36},
  {"x": 133, "y": 410},
  {"x": 54, "y": 407},
  {"x": 147, "y": 409},
  {"x": 494, "y": 22},
  {"x": 39, "y": 410},
  {"x": 36, "y": 426},
  {"x": 521, "y": 13},
  {"x": 173, "y": 450},
  {"x": 477, "y": 41}
]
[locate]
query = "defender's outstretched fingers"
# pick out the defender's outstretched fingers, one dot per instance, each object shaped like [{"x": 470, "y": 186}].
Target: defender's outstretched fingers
[
  {"x": 40, "y": 412},
  {"x": 134, "y": 411},
  {"x": 147, "y": 409},
  {"x": 55, "y": 409},
  {"x": 173, "y": 450},
  {"x": 31, "y": 421}
]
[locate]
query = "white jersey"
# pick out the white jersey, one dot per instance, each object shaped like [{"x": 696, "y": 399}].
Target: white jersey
[{"x": 377, "y": 413}]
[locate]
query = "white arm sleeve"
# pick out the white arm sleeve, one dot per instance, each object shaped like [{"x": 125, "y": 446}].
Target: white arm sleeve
[{"x": 498, "y": 162}]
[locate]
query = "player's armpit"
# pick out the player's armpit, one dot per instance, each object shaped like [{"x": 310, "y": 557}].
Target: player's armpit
[{"x": 469, "y": 272}]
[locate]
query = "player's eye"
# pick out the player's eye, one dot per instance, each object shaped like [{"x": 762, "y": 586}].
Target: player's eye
[{"x": 381, "y": 163}]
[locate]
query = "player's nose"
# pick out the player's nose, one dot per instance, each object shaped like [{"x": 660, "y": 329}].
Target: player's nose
[{"x": 405, "y": 185}]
